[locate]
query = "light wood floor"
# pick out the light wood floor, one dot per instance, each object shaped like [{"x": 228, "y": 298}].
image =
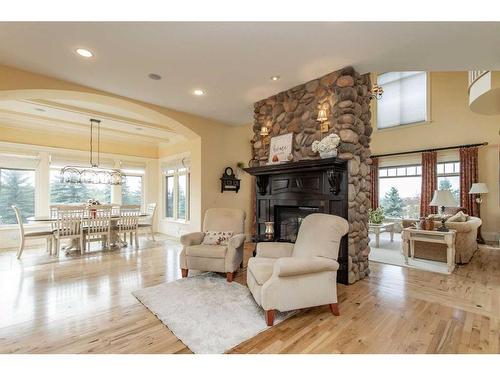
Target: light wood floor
[{"x": 84, "y": 305}]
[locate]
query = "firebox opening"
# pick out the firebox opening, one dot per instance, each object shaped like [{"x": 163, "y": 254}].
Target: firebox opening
[{"x": 288, "y": 220}]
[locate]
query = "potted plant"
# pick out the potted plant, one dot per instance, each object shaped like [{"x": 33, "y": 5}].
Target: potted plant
[
  {"x": 376, "y": 216},
  {"x": 327, "y": 147}
]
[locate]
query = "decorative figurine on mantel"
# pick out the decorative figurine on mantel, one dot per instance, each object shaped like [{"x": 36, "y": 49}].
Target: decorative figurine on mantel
[{"x": 327, "y": 147}]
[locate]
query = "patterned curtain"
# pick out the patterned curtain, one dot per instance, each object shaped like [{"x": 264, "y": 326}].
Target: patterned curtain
[
  {"x": 374, "y": 183},
  {"x": 429, "y": 182},
  {"x": 468, "y": 176}
]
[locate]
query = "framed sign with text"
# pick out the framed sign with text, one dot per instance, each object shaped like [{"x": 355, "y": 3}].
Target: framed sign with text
[{"x": 280, "y": 148}]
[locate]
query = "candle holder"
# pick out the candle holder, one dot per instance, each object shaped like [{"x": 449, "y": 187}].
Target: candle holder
[{"x": 269, "y": 231}]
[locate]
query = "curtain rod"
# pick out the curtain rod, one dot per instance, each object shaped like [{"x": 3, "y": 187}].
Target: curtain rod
[{"x": 430, "y": 149}]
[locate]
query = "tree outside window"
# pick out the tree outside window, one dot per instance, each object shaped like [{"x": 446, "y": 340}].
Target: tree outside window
[
  {"x": 449, "y": 178},
  {"x": 65, "y": 193},
  {"x": 392, "y": 203},
  {"x": 399, "y": 191},
  {"x": 132, "y": 190},
  {"x": 177, "y": 194},
  {"x": 17, "y": 187}
]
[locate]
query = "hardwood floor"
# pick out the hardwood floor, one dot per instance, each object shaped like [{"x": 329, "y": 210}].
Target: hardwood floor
[{"x": 84, "y": 305}]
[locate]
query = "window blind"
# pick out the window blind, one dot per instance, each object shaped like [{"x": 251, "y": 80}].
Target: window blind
[
  {"x": 18, "y": 161},
  {"x": 176, "y": 164},
  {"x": 404, "y": 100},
  {"x": 128, "y": 167}
]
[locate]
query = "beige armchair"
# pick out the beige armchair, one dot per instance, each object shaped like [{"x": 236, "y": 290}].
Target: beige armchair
[
  {"x": 285, "y": 276},
  {"x": 216, "y": 258}
]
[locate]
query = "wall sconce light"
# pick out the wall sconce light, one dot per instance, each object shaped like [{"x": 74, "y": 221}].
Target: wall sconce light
[
  {"x": 376, "y": 92},
  {"x": 323, "y": 119},
  {"x": 322, "y": 115},
  {"x": 264, "y": 130}
]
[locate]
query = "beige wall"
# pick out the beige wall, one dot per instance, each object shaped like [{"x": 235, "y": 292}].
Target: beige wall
[
  {"x": 225, "y": 149},
  {"x": 452, "y": 123},
  {"x": 220, "y": 147}
]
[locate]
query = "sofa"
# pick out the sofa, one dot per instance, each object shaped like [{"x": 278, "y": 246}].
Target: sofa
[{"x": 465, "y": 241}]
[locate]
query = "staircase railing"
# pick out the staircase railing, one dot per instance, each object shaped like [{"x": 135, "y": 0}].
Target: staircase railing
[{"x": 474, "y": 75}]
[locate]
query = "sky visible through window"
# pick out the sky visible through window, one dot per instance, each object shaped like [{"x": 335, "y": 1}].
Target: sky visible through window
[{"x": 400, "y": 186}]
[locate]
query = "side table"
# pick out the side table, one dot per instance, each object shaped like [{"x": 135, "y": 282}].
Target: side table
[{"x": 448, "y": 238}]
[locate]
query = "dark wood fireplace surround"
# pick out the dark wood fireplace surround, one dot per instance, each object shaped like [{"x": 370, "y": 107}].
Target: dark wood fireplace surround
[{"x": 318, "y": 185}]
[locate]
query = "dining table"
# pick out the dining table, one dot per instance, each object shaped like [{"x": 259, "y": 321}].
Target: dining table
[{"x": 115, "y": 239}]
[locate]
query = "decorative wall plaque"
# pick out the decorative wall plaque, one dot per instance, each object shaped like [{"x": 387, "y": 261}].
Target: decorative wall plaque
[{"x": 280, "y": 148}]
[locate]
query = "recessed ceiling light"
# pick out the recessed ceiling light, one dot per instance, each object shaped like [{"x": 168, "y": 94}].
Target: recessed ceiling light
[
  {"x": 39, "y": 109},
  {"x": 199, "y": 92},
  {"x": 154, "y": 76},
  {"x": 84, "y": 52},
  {"x": 275, "y": 78}
]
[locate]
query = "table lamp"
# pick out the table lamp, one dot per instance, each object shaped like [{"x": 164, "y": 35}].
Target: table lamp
[
  {"x": 442, "y": 199},
  {"x": 478, "y": 189}
]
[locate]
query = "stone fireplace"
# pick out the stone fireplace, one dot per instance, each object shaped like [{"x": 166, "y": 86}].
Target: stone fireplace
[
  {"x": 345, "y": 95},
  {"x": 289, "y": 192}
]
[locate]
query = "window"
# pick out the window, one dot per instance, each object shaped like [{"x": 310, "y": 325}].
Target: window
[
  {"x": 399, "y": 191},
  {"x": 177, "y": 194},
  {"x": 181, "y": 202},
  {"x": 64, "y": 193},
  {"x": 132, "y": 189},
  {"x": 169, "y": 201},
  {"x": 404, "y": 100},
  {"x": 448, "y": 178},
  {"x": 17, "y": 187},
  {"x": 399, "y": 187}
]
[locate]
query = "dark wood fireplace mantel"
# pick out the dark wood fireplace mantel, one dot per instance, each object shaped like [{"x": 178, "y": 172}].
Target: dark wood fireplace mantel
[{"x": 287, "y": 192}]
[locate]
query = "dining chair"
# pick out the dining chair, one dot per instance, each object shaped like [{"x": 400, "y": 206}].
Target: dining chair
[
  {"x": 128, "y": 222},
  {"x": 30, "y": 235},
  {"x": 69, "y": 225},
  {"x": 148, "y": 223},
  {"x": 115, "y": 210},
  {"x": 97, "y": 225}
]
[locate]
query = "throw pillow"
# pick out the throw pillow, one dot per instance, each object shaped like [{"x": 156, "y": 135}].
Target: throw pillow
[
  {"x": 459, "y": 217},
  {"x": 437, "y": 217},
  {"x": 217, "y": 238}
]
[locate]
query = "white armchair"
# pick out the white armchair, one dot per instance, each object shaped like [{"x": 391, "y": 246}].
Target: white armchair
[
  {"x": 285, "y": 276},
  {"x": 216, "y": 258}
]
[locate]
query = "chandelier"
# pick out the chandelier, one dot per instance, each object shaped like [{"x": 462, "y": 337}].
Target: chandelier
[
  {"x": 376, "y": 92},
  {"x": 94, "y": 174}
]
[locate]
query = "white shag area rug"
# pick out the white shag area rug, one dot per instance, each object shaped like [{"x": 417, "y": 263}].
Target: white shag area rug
[{"x": 208, "y": 314}]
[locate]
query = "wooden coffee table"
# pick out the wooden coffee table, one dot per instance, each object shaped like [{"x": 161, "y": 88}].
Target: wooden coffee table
[{"x": 381, "y": 228}]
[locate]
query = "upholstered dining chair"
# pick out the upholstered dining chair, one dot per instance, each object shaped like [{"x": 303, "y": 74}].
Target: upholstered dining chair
[
  {"x": 223, "y": 257},
  {"x": 148, "y": 223},
  {"x": 48, "y": 235},
  {"x": 285, "y": 276}
]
